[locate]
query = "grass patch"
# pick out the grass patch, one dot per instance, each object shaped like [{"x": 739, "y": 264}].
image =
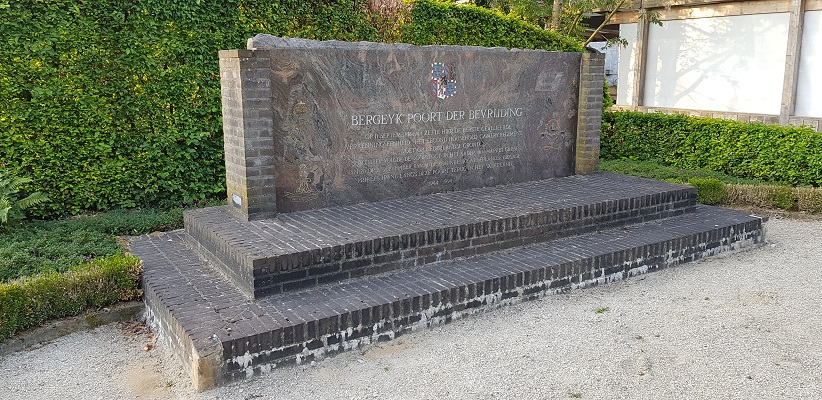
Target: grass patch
[
  {"x": 657, "y": 170},
  {"x": 40, "y": 246},
  {"x": 28, "y": 251}
]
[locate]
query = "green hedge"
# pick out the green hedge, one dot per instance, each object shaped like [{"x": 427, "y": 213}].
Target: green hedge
[
  {"x": 436, "y": 22},
  {"x": 769, "y": 153},
  {"x": 111, "y": 104},
  {"x": 28, "y": 302},
  {"x": 709, "y": 191}
]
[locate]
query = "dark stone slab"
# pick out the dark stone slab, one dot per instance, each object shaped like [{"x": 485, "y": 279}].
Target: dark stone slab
[
  {"x": 223, "y": 336},
  {"x": 364, "y": 122}
]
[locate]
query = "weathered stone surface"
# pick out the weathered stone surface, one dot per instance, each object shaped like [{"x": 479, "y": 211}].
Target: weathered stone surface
[{"x": 363, "y": 122}]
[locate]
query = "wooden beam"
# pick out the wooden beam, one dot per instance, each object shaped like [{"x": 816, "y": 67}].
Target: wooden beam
[
  {"x": 677, "y": 3},
  {"x": 640, "y": 60},
  {"x": 717, "y": 9},
  {"x": 794, "y": 49},
  {"x": 636, "y": 5},
  {"x": 624, "y": 17},
  {"x": 726, "y": 10}
]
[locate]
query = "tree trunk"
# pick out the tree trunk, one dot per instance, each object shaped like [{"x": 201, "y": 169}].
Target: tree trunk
[{"x": 555, "y": 15}]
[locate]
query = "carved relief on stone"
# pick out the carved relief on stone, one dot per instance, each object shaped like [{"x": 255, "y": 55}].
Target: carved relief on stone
[
  {"x": 299, "y": 143},
  {"x": 306, "y": 191},
  {"x": 554, "y": 138}
]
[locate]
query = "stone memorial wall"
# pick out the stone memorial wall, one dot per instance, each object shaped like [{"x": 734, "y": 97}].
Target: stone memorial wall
[
  {"x": 312, "y": 124},
  {"x": 355, "y": 136}
]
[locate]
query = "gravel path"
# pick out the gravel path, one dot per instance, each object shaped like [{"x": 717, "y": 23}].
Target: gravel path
[{"x": 740, "y": 326}]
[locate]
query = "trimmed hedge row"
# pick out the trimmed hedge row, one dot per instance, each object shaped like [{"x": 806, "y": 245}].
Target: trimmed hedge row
[
  {"x": 709, "y": 191},
  {"x": 30, "y": 301},
  {"x": 773, "y": 153},
  {"x": 109, "y": 104},
  {"x": 712, "y": 191},
  {"x": 805, "y": 199}
]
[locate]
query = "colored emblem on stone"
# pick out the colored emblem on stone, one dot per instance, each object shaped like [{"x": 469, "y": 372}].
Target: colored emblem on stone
[{"x": 443, "y": 84}]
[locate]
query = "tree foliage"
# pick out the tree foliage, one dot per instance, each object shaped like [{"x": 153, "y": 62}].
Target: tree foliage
[
  {"x": 436, "y": 22},
  {"x": 574, "y": 18}
]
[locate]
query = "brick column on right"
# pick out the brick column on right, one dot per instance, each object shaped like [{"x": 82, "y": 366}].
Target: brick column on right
[
  {"x": 245, "y": 84},
  {"x": 589, "y": 116}
]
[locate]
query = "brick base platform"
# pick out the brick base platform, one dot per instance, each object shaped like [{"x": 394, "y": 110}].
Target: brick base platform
[
  {"x": 310, "y": 248},
  {"x": 222, "y": 334}
]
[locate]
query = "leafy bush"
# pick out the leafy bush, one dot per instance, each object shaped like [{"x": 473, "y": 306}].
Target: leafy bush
[
  {"x": 28, "y": 302},
  {"x": 709, "y": 191},
  {"x": 11, "y": 205},
  {"x": 781, "y": 197},
  {"x": 768, "y": 153},
  {"x": 436, "y": 22}
]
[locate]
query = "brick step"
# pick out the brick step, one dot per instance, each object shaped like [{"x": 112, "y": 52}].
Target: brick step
[
  {"x": 304, "y": 249},
  {"x": 224, "y": 336}
]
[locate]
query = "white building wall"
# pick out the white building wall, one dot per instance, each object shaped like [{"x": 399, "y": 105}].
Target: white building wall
[
  {"x": 611, "y": 60},
  {"x": 731, "y": 64},
  {"x": 625, "y": 82},
  {"x": 809, "y": 80}
]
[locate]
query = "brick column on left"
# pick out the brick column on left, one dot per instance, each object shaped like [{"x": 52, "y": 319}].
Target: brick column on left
[{"x": 245, "y": 83}]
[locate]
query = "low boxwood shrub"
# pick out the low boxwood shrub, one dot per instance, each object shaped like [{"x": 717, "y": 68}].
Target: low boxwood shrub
[
  {"x": 709, "y": 191},
  {"x": 781, "y": 197},
  {"x": 808, "y": 199},
  {"x": 28, "y": 302},
  {"x": 770, "y": 153}
]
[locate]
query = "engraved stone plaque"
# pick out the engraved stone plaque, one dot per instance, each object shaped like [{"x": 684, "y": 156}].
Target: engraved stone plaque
[{"x": 363, "y": 122}]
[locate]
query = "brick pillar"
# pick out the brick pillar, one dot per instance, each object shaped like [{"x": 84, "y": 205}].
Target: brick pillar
[
  {"x": 589, "y": 117},
  {"x": 245, "y": 84}
]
